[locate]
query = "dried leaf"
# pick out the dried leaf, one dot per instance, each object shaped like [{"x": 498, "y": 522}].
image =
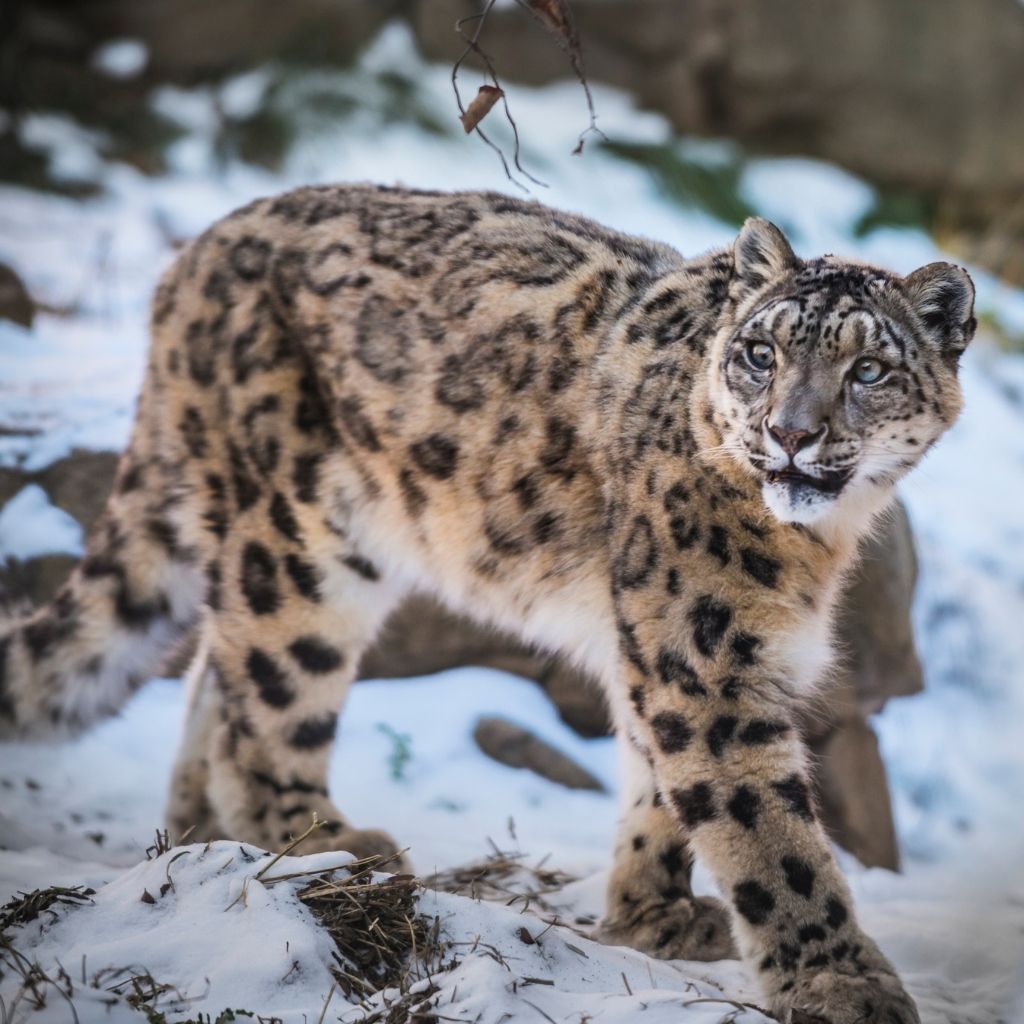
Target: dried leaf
[
  {"x": 556, "y": 17},
  {"x": 481, "y": 106}
]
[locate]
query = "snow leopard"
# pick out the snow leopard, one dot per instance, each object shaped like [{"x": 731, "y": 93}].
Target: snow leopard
[{"x": 657, "y": 466}]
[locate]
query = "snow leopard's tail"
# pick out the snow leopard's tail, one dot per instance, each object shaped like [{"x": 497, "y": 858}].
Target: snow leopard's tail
[{"x": 112, "y": 625}]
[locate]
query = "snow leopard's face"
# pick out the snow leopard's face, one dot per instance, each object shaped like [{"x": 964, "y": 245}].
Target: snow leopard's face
[{"x": 834, "y": 378}]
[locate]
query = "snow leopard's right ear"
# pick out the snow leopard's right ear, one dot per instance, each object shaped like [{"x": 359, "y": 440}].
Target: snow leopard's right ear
[{"x": 761, "y": 252}]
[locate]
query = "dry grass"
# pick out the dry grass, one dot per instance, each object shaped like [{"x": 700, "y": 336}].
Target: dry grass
[
  {"x": 374, "y": 924},
  {"x": 26, "y": 907},
  {"x": 505, "y": 877},
  {"x": 387, "y": 952}
]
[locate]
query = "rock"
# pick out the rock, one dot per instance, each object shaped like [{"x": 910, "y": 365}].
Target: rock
[
  {"x": 11, "y": 481},
  {"x": 80, "y": 483},
  {"x": 853, "y": 794},
  {"x": 578, "y": 698},
  {"x": 222, "y": 38},
  {"x": 874, "y": 620},
  {"x": 15, "y": 302},
  {"x": 35, "y": 580},
  {"x": 512, "y": 745}
]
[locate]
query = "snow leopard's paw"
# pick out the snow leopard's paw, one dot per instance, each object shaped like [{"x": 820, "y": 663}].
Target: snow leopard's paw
[
  {"x": 828, "y": 997},
  {"x": 690, "y": 928}
]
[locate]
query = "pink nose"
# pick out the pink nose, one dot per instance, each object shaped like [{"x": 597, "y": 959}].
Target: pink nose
[{"x": 793, "y": 440}]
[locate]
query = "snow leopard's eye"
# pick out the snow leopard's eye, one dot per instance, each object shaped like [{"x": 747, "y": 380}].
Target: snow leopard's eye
[
  {"x": 869, "y": 370},
  {"x": 760, "y": 355}
]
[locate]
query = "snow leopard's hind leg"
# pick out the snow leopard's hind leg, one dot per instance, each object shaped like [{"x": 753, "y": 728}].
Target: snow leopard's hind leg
[
  {"x": 190, "y": 816},
  {"x": 282, "y": 646}
]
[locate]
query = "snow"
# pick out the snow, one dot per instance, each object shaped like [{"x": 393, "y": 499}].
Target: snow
[
  {"x": 121, "y": 58},
  {"x": 30, "y": 526},
  {"x": 84, "y": 813}
]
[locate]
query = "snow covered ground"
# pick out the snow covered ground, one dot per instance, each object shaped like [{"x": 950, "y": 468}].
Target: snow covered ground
[{"x": 86, "y": 812}]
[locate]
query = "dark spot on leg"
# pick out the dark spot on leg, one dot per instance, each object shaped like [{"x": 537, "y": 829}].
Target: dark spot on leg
[
  {"x": 671, "y": 731},
  {"x": 744, "y": 646},
  {"x": 674, "y": 668},
  {"x": 794, "y": 793},
  {"x": 362, "y": 567},
  {"x": 413, "y": 495},
  {"x": 811, "y": 933},
  {"x": 283, "y": 518},
  {"x": 835, "y": 913},
  {"x": 247, "y": 490},
  {"x": 259, "y": 579},
  {"x": 720, "y": 732},
  {"x": 270, "y": 680},
  {"x": 745, "y": 806},
  {"x": 673, "y": 858},
  {"x": 799, "y": 875},
  {"x": 718, "y": 544},
  {"x": 638, "y": 699},
  {"x": 315, "y": 655},
  {"x": 695, "y": 805},
  {"x": 314, "y": 732},
  {"x": 753, "y": 901},
  {"x": 304, "y": 575},
  {"x": 630, "y": 648},
  {"x": 306, "y": 476},
  {"x": 710, "y": 619},
  {"x": 760, "y": 732}
]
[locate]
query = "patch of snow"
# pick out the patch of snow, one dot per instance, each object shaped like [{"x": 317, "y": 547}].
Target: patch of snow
[
  {"x": 121, "y": 58},
  {"x": 242, "y": 96},
  {"x": 832, "y": 201},
  {"x": 72, "y": 149},
  {"x": 31, "y": 526}
]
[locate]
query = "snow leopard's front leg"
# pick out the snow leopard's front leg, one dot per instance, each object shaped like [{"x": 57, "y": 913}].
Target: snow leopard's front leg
[
  {"x": 719, "y": 730},
  {"x": 650, "y": 905}
]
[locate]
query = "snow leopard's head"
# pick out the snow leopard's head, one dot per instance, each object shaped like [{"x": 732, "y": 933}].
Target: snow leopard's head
[{"x": 831, "y": 379}]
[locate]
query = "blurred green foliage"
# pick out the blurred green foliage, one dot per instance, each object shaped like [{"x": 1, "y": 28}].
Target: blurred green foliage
[{"x": 709, "y": 186}]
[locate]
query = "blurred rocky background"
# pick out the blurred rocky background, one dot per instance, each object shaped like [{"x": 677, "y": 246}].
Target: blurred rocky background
[{"x": 921, "y": 99}]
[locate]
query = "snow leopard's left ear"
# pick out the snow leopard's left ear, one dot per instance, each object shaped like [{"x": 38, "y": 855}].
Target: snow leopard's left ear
[
  {"x": 761, "y": 252},
  {"x": 942, "y": 295}
]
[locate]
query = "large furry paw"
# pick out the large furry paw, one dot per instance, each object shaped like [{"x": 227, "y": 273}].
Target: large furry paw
[
  {"x": 690, "y": 928},
  {"x": 828, "y": 997}
]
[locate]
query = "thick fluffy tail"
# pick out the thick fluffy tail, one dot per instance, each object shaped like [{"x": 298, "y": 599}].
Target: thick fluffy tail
[{"x": 112, "y": 625}]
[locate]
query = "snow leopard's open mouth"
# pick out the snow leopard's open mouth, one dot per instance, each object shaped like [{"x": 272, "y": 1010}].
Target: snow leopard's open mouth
[{"x": 826, "y": 482}]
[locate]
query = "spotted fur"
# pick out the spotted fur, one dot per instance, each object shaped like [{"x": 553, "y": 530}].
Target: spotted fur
[{"x": 658, "y": 466}]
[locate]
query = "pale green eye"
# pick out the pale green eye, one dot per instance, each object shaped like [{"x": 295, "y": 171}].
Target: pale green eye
[
  {"x": 760, "y": 355},
  {"x": 868, "y": 370}
]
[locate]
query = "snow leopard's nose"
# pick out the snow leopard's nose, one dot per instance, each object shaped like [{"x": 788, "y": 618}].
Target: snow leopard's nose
[{"x": 793, "y": 439}]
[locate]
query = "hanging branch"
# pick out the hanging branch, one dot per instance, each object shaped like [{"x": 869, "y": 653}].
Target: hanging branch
[
  {"x": 472, "y": 46},
  {"x": 556, "y": 17}
]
